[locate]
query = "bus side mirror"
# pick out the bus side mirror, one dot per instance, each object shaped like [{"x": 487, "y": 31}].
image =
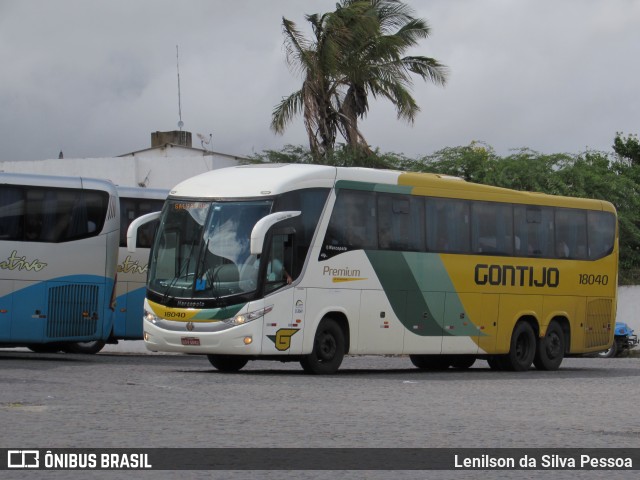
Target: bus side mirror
[
  {"x": 132, "y": 231},
  {"x": 264, "y": 224}
]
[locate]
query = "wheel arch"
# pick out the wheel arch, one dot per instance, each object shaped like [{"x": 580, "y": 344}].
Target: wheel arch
[
  {"x": 310, "y": 329},
  {"x": 532, "y": 321}
]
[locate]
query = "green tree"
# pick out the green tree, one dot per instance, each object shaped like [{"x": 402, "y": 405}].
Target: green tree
[
  {"x": 628, "y": 149},
  {"x": 373, "y": 64},
  {"x": 356, "y": 51}
]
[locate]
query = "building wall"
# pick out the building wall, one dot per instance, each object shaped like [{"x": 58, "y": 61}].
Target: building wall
[
  {"x": 628, "y": 303},
  {"x": 131, "y": 171}
]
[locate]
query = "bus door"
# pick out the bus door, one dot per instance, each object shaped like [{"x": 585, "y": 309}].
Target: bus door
[{"x": 282, "y": 324}]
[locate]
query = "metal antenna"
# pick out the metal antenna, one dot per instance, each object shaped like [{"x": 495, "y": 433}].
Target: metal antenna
[{"x": 180, "y": 122}]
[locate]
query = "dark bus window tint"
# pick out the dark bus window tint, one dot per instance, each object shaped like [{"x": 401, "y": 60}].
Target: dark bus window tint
[
  {"x": 601, "y": 230},
  {"x": 96, "y": 205},
  {"x": 491, "y": 228},
  {"x": 353, "y": 221},
  {"x": 571, "y": 233},
  {"x": 400, "y": 223},
  {"x": 447, "y": 225},
  {"x": 11, "y": 213},
  {"x": 534, "y": 231},
  {"x": 61, "y": 215},
  {"x": 132, "y": 208},
  {"x": 311, "y": 203}
]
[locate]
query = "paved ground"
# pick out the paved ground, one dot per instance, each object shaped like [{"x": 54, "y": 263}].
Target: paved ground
[{"x": 134, "y": 399}]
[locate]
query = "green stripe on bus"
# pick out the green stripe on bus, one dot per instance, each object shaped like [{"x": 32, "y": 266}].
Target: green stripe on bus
[
  {"x": 218, "y": 313},
  {"x": 373, "y": 187},
  {"x": 417, "y": 286}
]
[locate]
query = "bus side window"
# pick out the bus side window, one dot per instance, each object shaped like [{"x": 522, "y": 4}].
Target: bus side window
[
  {"x": 571, "y": 233},
  {"x": 447, "y": 225},
  {"x": 601, "y": 233},
  {"x": 11, "y": 212},
  {"x": 353, "y": 222},
  {"x": 279, "y": 263}
]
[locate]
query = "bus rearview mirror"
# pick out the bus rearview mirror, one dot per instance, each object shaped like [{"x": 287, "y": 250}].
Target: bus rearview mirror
[
  {"x": 132, "y": 231},
  {"x": 263, "y": 225}
]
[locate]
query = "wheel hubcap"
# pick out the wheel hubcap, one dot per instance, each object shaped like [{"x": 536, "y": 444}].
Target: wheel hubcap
[{"x": 326, "y": 347}]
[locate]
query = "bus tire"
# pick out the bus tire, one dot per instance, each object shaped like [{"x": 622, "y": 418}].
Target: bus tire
[
  {"x": 431, "y": 362},
  {"x": 45, "y": 347},
  {"x": 228, "y": 363},
  {"x": 328, "y": 349},
  {"x": 523, "y": 348},
  {"x": 550, "y": 349},
  {"x": 88, "y": 348},
  {"x": 463, "y": 362},
  {"x": 610, "y": 352}
]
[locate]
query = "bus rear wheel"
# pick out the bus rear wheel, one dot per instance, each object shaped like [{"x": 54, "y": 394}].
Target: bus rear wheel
[
  {"x": 550, "y": 349},
  {"x": 88, "y": 348},
  {"x": 328, "y": 349},
  {"x": 523, "y": 348},
  {"x": 228, "y": 363},
  {"x": 431, "y": 362}
]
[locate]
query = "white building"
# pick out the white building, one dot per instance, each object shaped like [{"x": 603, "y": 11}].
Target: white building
[{"x": 168, "y": 161}]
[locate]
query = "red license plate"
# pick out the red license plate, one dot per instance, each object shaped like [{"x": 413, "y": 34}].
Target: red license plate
[{"x": 190, "y": 341}]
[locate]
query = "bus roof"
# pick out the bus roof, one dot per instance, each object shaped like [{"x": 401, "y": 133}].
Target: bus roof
[
  {"x": 140, "y": 192},
  {"x": 56, "y": 181},
  {"x": 258, "y": 180}
]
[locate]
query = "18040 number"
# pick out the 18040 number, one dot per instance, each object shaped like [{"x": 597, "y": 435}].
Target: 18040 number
[{"x": 590, "y": 279}]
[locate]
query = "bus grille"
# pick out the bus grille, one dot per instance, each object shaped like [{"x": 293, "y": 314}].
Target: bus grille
[
  {"x": 72, "y": 311},
  {"x": 599, "y": 320}
]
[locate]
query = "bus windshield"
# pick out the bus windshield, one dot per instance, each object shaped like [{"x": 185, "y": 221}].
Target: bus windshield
[{"x": 201, "y": 249}]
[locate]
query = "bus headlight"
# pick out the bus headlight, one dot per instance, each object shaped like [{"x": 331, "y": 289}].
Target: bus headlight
[
  {"x": 149, "y": 316},
  {"x": 248, "y": 317}
]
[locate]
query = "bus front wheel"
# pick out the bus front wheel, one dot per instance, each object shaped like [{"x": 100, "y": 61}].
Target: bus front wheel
[
  {"x": 228, "y": 363},
  {"x": 88, "y": 348},
  {"x": 550, "y": 349},
  {"x": 328, "y": 349},
  {"x": 523, "y": 348}
]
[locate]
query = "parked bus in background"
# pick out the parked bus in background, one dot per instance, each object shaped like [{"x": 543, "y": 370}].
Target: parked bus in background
[
  {"x": 58, "y": 256},
  {"x": 132, "y": 267},
  {"x": 309, "y": 263}
]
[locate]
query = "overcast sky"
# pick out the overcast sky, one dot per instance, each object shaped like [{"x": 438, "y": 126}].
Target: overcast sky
[{"x": 95, "y": 78}]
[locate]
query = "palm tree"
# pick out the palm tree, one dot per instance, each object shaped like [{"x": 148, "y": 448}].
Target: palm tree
[
  {"x": 353, "y": 54},
  {"x": 375, "y": 65}
]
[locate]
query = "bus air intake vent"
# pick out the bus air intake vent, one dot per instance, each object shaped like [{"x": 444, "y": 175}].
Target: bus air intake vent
[
  {"x": 111, "y": 211},
  {"x": 72, "y": 311},
  {"x": 599, "y": 322}
]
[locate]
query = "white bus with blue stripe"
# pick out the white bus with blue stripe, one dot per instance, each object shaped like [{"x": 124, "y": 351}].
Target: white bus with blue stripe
[{"x": 58, "y": 257}]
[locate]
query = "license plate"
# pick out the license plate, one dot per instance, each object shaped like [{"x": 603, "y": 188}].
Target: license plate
[{"x": 190, "y": 341}]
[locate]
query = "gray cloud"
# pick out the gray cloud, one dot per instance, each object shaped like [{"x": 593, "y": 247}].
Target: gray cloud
[{"x": 95, "y": 78}]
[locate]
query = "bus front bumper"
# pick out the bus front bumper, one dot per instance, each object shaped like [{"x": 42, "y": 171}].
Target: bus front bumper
[{"x": 238, "y": 340}]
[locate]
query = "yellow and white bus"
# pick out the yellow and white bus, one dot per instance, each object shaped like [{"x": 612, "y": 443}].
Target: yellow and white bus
[{"x": 309, "y": 263}]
